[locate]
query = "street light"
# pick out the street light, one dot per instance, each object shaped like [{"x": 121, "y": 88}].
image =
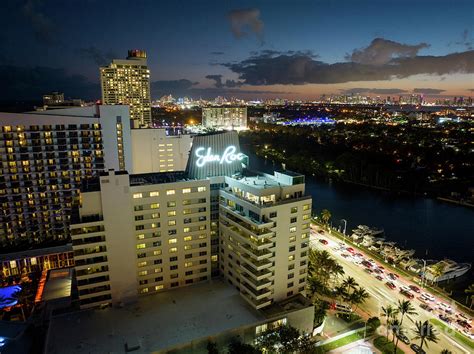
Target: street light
[
  {"x": 345, "y": 226},
  {"x": 424, "y": 270}
]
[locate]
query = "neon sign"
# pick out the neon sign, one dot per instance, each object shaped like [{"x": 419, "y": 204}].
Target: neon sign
[{"x": 205, "y": 156}]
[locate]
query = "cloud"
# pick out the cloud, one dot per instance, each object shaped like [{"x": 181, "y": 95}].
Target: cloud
[
  {"x": 428, "y": 91},
  {"x": 220, "y": 84},
  {"x": 97, "y": 56},
  {"x": 43, "y": 28},
  {"x": 381, "y": 51},
  {"x": 217, "y": 53},
  {"x": 466, "y": 41},
  {"x": 299, "y": 69},
  {"x": 246, "y": 21},
  {"x": 26, "y": 83},
  {"x": 268, "y": 53},
  {"x": 387, "y": 91},
  {"x": 174, "y": 87}
]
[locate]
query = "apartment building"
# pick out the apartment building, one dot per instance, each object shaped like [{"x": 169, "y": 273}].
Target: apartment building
[
  {"x": 155, "y": 151},
  {"x": 139, "y": 234},
  {"x": 127, "y": 81},
  {"x": 45, "y": 156},
  {"x": 225, "y": 118}
]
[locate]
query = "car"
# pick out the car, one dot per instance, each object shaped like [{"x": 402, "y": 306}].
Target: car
[
  {"x": 464, "y": 324},
  {"x": 415, "y": 289},
  {"x": 392, "y": 276},
  {"x": 444, "y": 318},
  {"x": 350, "y": 250},
  {"x": 380, "y": 267},
  {"x": 342, "y": 308},
  {"x": 426, "y": 307},
  {"x": 427, "y": 297},
  {"x": 416, "y": 348},
  {"x": 368, "y": 270},
  {"x": 406, "y": 288},
  {"x": 391, "y": 285},
  {"x": 359, "y": 255},
  {"x": 464, "y": 317},
  {"x": 323, "y": 241},
  {"x": 378, "y": 271},
  {"x": 367, "y": 264},
  {"x": 407, "y": 294},
  {"x": 321, "y": 232},
  {"x": 403, "y": 338},
  {"x": 345, "y": 255},
  {"x": 468, "y": 334},
  {"x": 378, "y": 277}
]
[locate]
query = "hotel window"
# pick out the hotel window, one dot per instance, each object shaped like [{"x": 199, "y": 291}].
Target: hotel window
[
  {"x": 157, "y": 252},
  {"x": 306, "y": 206},
  {"x": 172, "y": 213},
  {"x": 188, "y": 238},
  {"x": 294, "y": 210},
  {"x": 171, "y": 204},
  {"x": 141, "y": 245},
  {"x": 188, "y": 264},
  {"x": 143, "y": 272},
  {"x": 154, "y": 194},
  {"x": 188, "y": 247},
  {"x": 214, "y": 258},
  {"x": 293, "y": 220},
  {"x": 137, "y": 195},
  {"x": 158, "y": 270},
  {"x": 306, "y": 216},
  {"x": 201, "y": 189},
  {"x": 292, "y": 238},
  {"x": 291, "y": 258},
  {"x": 186, "y": 229},
  {"x": 158, "y": 287},
  {"x": 170, "y": 192},
  {"x": 155, "y": 215},
  {"x": 172, "y": 240},
  {"x": 174, "y": 267},
  {"x": 173, "y": 250},
  {"x": 154, "y": 206},
  {"x": 141, "y": 264},
  {"x": 186, "y": 190},
  {"x": 293, "y": 229},
  {"x": 171, "y": 222},
  {"x": 144, "y": 291},
  {"x": 304, "y": 235}
]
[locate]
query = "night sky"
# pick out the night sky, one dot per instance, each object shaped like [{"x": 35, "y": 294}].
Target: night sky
[{"x": 289, "y": 49}]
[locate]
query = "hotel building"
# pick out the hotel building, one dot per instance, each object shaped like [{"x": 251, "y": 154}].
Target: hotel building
[
  {"x": 45, "y": 157},
  {"x": 155, "y": 151},
  {"x": 179, "y": 228},
  {"x": 225, "y": 118},
  {"x": 128, "y": 82}
]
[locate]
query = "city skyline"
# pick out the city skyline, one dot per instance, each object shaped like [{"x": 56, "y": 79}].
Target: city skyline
[{"x": 247, "y": 50}]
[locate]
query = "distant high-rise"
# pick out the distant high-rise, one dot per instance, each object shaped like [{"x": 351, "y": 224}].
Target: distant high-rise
[
  {"x": 128, "y": 82},
  {"x": 228, "y": 118}
]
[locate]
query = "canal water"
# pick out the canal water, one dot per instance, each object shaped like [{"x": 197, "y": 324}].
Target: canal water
[{"x": 435, "y": 230}]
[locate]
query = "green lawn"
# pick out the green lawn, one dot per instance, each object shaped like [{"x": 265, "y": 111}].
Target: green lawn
[
  {"x": 387, "y": 347},
  {"x": 458, "y": 336},
  {"x": 343, "y": 341}
]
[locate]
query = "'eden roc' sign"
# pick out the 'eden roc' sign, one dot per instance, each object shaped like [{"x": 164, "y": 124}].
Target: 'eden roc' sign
[{"x": 205, "y": 156}]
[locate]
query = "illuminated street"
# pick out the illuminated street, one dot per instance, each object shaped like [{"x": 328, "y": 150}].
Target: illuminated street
[{"x": 382, "y": 295}]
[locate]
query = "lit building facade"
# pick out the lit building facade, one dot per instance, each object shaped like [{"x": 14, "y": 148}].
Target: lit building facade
[
  {"x": 225, "y": 118},
  {"x": 45, "y": 156},
  {"x": 154, "y": 151},
  {"x": 179, "y": 228},
  {"x": 128, "y": 82},
  {"x": 140, "y": 234}
]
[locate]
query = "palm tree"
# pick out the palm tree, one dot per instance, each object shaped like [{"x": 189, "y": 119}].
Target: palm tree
[
  {"x": 425, "y": 332},
  {"x": 397, "y": 330},
  {"x": 388, "y": 312},
  {"x": 349, "y": 283},
  {"x": 325, "y": 216},
  {"x": 470, "y": 294},
  {"x": 358, "y": 297},
  {"x": 405, "y": 307},
  {"x": 438, "y": 270},
  {"x": 340, "y": 292}
]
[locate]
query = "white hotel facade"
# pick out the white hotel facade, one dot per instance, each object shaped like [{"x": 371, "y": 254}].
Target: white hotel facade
[{"x": 143, "y": 233}]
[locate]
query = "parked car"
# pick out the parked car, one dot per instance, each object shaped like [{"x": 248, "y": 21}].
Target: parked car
[
  {"x": 407, "y": 294},
  {"x": 415, "y": 289},
  {"x": 367, "y": 264},
  {"x": 392, "y": 276},
  {"x": 403, "y": 338},
  {"x": 416, "y": 348},
  {"x": 378, "y": 277},
  {"x": 368, "y": 270},
  {"x": 350, "y": 250},
  {"x": 323, "y": 241},
  {"x": 391, "y": 285},
  {"x": 464, "y": 324},
  {"x": 427, "y": 297}
]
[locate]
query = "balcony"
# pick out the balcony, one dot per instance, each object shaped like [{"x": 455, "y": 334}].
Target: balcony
[
  {"x": 247, "y": 219},
  {"x": 257, "y": 304},
  {"x": 255, "y": 274},
  {"x": 243, "y": 238},
  {"x": 258, "y": 265},
  {"x": 255, "y": 294},
  {"x": 256, "y": 284},
  {"x": 259, "y": 255}
]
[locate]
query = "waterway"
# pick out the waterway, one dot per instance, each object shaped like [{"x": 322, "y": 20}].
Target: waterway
[{"x": 434, "y": 229}]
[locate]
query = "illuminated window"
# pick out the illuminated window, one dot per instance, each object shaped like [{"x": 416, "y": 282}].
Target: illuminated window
[
  {"x": 171, "y": 222},
  {"x": 143, "y": 272},
  {"x": 292, "y": 238},
  {"x": 158, "y": 287},
  {"x": 172, "y": 240},
  {"x": 304, "y": 235},
  {"x": 141, "y": 264},
  {"x": 186, "y": 229},
  {"x": 158, "y": 270},
  {"x": 141, "y": 245},
  {"x": 214, "y": 258},
  {"x": 173, "y": 250},
  {"x": 201, "y": 189},
  {"x": 170, "y": 192},
  {"x": 306, "y": 206},
  {"x": 293, "y": 229},
  {"x": 154, "y": 206},
  {"x": 291, "y": 258},
  {"x": 186, "y": 190},
  {"x": 157, "y": 252},
  {"x": 137, "y": 195},
  {"x": 140, "y": 237},
  {"x": 188, "y": 238},
  {"x": 154, "y": 194},
  {"x": 172, "y": 213},
  {"x": 188, "y": 264}
]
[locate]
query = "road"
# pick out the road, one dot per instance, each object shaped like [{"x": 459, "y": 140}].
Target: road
[{"x": 382, "y": 295}]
